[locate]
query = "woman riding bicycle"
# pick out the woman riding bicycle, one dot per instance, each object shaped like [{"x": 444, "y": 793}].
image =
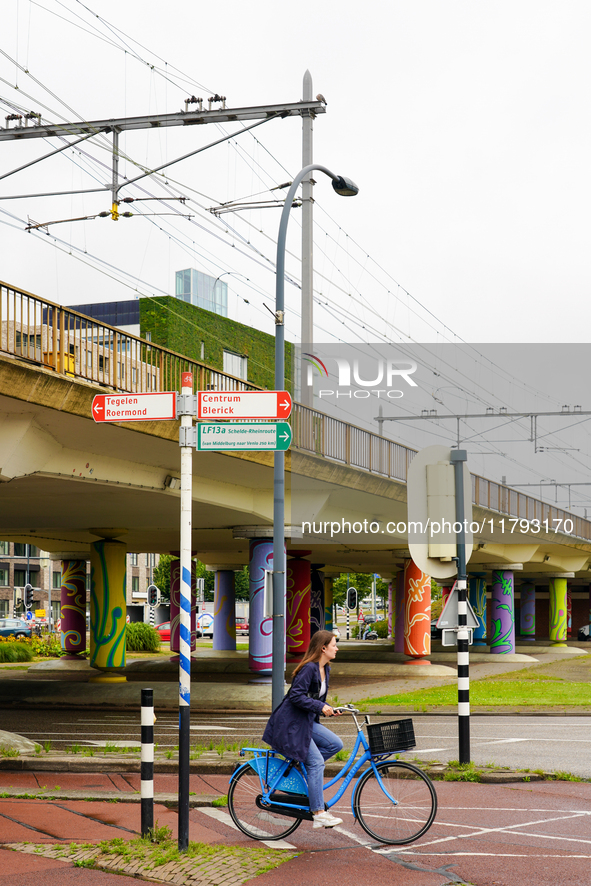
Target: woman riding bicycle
[{"x": 294, "y": 728}]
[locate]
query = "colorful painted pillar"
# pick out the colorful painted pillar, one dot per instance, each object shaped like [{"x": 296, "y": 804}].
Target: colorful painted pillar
[
  {"x": 399, "y": 607},
  {"x": 224, "y": 610},
  {"x": 417, "y": 611},
  {"x": 299, "y": 581},
  {"x": 316, "y": 599},
  {"x": 502, "y": 615},
  {"x": 390, "y": 610},
  {"x": 73, "y": 608},
  {"x": 558, "y": 609},
  {"x": 477, "y": 597},
  {"x": 260, "y": 628},
  {"x": 527, "y": 621},
  {"x": 569, "y": 610},
  {"x": 328, "y": 603},
  {"x": 108, "y": 609},
  {"x": 175, "y": 606}
]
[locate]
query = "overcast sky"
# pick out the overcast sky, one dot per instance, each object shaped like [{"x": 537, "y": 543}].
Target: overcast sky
[{"x": 465, "y": 125}]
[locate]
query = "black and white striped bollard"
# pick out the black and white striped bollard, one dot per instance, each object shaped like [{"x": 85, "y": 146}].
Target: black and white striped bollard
[{"x": 147, "y": 762}]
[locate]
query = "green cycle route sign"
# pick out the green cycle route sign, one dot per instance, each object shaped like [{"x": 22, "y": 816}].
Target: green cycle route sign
[{"x": 243, "y": 436}]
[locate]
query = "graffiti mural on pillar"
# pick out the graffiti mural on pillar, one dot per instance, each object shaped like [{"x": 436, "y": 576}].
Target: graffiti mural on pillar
[
  {"x": 73, "y": 606},
  {"x": 328, "y": 601},
  {"x": 528, "y": 611},
  {"x": 557, "y": 609},
  {"x": 107, "y": 604},
  {"x": 316, "y": 601},
  {"x": 478, "y": 603},
  {"x": 417, "y": 603},
  {"x": 502, "y": 620},
  {"x": 260, "y": 627},
  {"x": 298, "y": 607},
  {"x": 569, "y": 611},
  {"x": 224, "y": 611}
]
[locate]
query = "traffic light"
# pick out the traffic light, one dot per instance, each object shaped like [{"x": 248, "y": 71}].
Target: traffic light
[
  {"x": 28, "y": 596},
  {"x": 351, "y": 598},
  {"x": 152, "y": 595}
]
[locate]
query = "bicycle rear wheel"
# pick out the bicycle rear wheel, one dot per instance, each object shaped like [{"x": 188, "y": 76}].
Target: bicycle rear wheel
[
  {"x": 413, "y": 811},
  {"x": 260, "y": 824}
]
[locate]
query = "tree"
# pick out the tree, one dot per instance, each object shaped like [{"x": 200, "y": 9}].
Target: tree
[{"x": 161, "y": 576}]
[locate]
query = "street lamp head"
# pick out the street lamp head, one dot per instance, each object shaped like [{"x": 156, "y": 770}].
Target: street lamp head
[{"x": 344, "y": 186}]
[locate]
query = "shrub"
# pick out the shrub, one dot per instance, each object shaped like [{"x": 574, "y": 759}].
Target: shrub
[
  {"x": 141, "y": 637},
  {"x": 13, "y": 650},
  {"x": 48, "y": 645}
]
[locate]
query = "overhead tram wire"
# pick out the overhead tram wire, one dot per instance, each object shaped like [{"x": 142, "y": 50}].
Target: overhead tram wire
[{"x": 355, "y": 320}]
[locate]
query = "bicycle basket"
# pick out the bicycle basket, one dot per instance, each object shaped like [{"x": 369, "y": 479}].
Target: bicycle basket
[{"x": 396, "y": 735}]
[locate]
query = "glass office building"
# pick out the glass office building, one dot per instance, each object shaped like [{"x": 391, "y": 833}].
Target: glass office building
[{"x": 202, "y": 290}]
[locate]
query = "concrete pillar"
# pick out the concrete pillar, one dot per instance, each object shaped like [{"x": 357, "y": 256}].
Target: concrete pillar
[
  {"x": 477, "y": 597},
  {"x": 260, "y": 628},
  {"x": 224, "y": 610},
  {"x": 73, "y": 608},
  {"x": 175, "y": 606},
  {"x": 328, "y": 603},
  {"x": 417, "y": 611},
  {"x": 298, "y": 607},
  {"x": 399, "y": 613},
  {"x": 108, "y": 609},
  {"x": 502, "y": 616},
  {"x": 528, "y": 611},
  {"x": 569, "y": 610},
  {"x": 316, "y": 599},
  {"x": 557, "y": 614}
]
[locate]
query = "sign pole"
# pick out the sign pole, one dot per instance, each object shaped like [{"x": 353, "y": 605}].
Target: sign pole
[
  {"x": 458, "y": 457},
  {"x": 185, "y": 621}
]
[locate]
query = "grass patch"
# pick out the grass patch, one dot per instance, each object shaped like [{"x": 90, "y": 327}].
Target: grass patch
[
  {"x": 457, "y": 771},
  {"x": 504, "y": 690},
  {"x": 15, "y": 650},
  {"x": 141, "y": 637}
]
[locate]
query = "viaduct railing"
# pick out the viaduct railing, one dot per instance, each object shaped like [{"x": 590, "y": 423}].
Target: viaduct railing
[{"x": 73, "y": 344}]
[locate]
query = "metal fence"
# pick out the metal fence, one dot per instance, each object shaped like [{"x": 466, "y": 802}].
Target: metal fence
[{"x": 73, "y": 344}]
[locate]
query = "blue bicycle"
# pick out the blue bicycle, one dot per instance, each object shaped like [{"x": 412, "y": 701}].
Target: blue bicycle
[{"x": 394, "y": 801}]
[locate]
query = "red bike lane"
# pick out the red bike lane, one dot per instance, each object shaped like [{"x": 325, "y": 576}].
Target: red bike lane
[{"x": 535, "y": 834}]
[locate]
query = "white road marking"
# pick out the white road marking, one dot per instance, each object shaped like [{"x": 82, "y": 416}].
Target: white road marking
[{"x": 226, "y": 819}]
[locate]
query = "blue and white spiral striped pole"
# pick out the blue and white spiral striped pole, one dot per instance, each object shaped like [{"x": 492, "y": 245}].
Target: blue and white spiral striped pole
[
  {"x": 147, "y": 762},
  {"x": 458, "y": 458},
  {"x": 185, "y": 625}
]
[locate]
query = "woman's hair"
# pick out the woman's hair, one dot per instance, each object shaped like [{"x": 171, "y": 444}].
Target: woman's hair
[{"x": 319, "y": 640}]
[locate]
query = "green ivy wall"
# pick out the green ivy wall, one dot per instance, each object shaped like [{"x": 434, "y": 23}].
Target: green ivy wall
[{"x": 182, "y": 327}]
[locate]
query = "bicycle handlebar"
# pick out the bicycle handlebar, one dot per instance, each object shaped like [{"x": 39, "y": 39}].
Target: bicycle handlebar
[{"x": 346, "y": 709}]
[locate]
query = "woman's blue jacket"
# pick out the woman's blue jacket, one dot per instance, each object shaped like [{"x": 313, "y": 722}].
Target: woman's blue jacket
[{"x": 289, "y": 729}]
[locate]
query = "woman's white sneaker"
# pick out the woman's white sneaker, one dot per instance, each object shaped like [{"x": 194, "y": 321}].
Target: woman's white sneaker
[{"x": 326, "y": 820}]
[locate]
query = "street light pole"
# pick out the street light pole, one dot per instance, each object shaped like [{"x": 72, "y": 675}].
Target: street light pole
[{"x": 346, "y": 188}]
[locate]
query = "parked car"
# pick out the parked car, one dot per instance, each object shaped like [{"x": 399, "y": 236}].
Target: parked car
[
  {"x": 204, "y": 625},
  {"x": 435, "y": 631},
  {"x": 164, "y": 631},
  {"x": 241, "y": 626},
  {"x": 14, "y": 627},
  {"x": 583, "y": 633},
  {"x": 337, "y": 633}
]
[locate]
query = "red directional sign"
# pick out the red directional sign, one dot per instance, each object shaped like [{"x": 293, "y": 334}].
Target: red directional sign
[
  {"x": 134, "y": 407},
  {"x": 243, "y": 404}
]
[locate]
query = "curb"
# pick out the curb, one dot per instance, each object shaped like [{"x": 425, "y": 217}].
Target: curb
[{"x": 435, "y": 771}]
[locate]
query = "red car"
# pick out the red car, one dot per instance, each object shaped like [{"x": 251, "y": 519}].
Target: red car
[
  {"x": 164, "y": 631},
  {"x": 241, "y": 626}
]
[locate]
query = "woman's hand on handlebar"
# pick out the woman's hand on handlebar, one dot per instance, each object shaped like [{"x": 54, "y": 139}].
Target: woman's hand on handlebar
[{"x": 330, "y": 712}]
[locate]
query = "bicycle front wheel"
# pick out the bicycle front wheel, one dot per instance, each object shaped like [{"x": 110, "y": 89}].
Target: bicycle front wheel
[
  {"x": 260, "y": 824},
  {"x": 414, "y": 807}
]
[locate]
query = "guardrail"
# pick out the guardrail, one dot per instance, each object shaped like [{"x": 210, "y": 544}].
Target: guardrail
[{"x": 73, "y": 344}]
